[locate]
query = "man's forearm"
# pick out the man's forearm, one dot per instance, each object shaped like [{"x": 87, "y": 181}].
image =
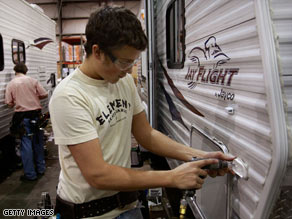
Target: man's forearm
[
  {"x": 105, "y": 176},
  {"x": 162, "y": 145},
  {"x": 111, "y": 177},
  {"x": 126, "y": 179}
]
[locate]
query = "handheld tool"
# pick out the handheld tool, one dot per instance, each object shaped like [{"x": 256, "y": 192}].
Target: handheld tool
[
  {"x": 188, "y": 195},
  {"x": 216, "y": 166},
  {"x": 237, "y": 166}
]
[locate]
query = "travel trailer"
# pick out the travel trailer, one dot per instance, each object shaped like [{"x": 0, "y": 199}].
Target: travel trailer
[
  {"x": 219, "y": 77},
  {"x": 26, "y": 35}
]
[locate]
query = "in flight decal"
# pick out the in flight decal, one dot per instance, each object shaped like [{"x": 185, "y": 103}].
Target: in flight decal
[
  {"x": 40, "y": 42},
  {"x": 175, "y": 114},
  {"x": 216, "y": 74},
  {"x": 178, "y": 94}
]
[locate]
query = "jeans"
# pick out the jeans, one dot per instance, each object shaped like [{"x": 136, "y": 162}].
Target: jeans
[
  {"x": 32, "y": 151},
  {"x": 131, "y": 214}
]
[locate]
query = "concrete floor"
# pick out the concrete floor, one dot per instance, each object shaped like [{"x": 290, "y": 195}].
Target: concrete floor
[{"x": 17, "y": 194}]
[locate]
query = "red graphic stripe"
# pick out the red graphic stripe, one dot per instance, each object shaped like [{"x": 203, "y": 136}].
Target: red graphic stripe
[{"x": 178, "y": 94}]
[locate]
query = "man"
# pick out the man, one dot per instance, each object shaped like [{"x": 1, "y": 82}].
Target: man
[
  {"x": 24, "y": 94},
  {"x": 93, "y": 112}
]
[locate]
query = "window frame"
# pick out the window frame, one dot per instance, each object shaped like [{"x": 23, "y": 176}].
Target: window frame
[
  {"x": 1, "y": 53},
  {"x": 175, "y": 34},
  {"x": 19, "y": 44}
]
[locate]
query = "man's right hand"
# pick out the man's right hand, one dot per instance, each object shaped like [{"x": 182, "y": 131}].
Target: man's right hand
[{"x": 190, "y": 175}]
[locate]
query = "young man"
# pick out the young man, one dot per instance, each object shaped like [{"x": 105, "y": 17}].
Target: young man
[
  {"x": 94, "y": 111},
  {"x": 25, "y": 93}
]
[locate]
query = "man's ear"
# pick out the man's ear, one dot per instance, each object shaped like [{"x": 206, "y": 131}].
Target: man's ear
[{"x": 96, "y": 51}]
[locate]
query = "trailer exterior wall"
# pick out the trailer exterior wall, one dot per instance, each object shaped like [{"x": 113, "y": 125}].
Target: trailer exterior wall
[
  {"x": 22, "y": 22},
  {"x": 234, "y": 31},
  {"x": 282, "y": 23}
]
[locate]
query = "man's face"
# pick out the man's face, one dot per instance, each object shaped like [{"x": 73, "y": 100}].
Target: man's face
[{"x": 117, "y": 63}]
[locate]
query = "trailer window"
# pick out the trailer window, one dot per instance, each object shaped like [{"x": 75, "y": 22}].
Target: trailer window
[
  {"x": 18, "y": 51},
  {"x": 1, "y": 54},
  {"x": 175, "y": 34}
]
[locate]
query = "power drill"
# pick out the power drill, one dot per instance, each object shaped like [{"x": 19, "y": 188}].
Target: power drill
[
  {"x": 216, "y": 166},
  {"x": 190, "y": 193}
]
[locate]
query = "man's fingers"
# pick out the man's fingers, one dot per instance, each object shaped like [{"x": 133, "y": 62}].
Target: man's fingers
[
  {"x": 200, "y": 181},
  {"x": 228, "y": 157},
  {"x": 221, "y": 172},
  {"x": 212, "y": 173},
  {"x": 222, "y": 156},
  {"x": 204, "y": 162},
  {"x": 202, "y": 173},
  {"x": 199, "y": 186}
]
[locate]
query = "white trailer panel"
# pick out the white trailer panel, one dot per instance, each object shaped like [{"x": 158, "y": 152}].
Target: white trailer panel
[
  {"x": 21, "y": 21},
  {"x": 237, "y": 75}
]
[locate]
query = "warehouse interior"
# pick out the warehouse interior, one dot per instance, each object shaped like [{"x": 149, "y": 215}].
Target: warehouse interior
[
  {"x": 70, "y": 17},
  {"x": 212, "y": 84}
]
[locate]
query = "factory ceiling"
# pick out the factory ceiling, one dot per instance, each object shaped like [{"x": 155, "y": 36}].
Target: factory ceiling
[{"x": 71, "y": 15}]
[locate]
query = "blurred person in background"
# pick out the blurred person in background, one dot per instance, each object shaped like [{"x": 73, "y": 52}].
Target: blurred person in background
[{"x": 24, "y": 94}]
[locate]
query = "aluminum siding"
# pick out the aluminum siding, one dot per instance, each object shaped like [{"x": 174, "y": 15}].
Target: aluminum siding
[
  {"x": 247, "y": 133},
  {"x": 282, "y": 21},
  {"x": 18, "y": 20}
]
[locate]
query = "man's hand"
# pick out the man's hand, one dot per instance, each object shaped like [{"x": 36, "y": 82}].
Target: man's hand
[
  {"x": 221, "y": 156},
  {"x": 10, "y": 105},
  {"x": 190, "y": 175}
]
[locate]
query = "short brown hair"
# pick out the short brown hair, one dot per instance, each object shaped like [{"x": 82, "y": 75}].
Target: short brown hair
[
  {"x": 20, "y": 68},
  {"x": 114, "y": 27}
]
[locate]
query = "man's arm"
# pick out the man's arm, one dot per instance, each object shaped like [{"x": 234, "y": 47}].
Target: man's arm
[
  {"x": 160, "y": 144},
  {"x": 42, "y": 93},
  {"x": 101, "y": 175},
  {"x": 9, "y": 100}
]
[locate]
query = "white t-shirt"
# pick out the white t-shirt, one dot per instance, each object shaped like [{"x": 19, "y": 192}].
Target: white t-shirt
[{"x": 82, "y": 109}]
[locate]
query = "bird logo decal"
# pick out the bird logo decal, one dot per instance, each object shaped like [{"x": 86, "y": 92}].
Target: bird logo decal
[{"x": 40, "y": 42}]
